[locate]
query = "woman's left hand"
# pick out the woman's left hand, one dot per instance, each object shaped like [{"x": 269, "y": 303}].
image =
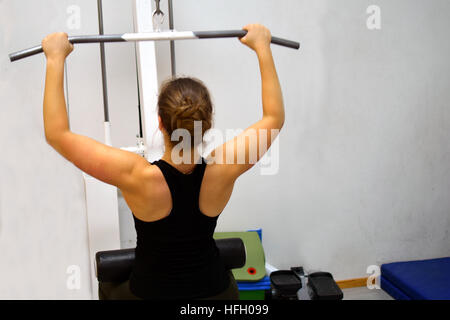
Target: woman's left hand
[{"x": 57, "y": 46}]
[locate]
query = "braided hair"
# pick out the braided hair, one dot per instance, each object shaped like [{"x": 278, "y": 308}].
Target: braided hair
[{"x": 182, "y": 101}]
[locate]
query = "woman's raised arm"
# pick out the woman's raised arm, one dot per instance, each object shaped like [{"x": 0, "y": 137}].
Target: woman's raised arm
[{"x": 240, "y": 149}]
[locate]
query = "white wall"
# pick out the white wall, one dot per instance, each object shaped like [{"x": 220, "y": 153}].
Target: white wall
[
  {"x": 43, "y": 227},
  {"x": 364, "y": 171},
  {"x": 364, "y": 155}
]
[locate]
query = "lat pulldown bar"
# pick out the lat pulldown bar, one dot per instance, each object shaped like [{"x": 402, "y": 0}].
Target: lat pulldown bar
[{"x": 153, "y": 36}]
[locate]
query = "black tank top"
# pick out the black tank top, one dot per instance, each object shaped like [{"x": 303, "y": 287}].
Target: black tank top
[{"x": 176, "y": 257}]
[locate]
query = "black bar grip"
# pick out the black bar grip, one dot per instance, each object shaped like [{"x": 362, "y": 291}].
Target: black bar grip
[
  {"x": 242, "y": 33},
  {"x": 97, "y": 38},
  {"x": 74, "y": 39},
  {"x": 25, "y": 53},
  {"x": 285, "y": 43},
  {"x": 220, "y": 34}
]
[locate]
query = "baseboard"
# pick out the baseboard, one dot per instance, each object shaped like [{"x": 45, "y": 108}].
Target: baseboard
[{"x": 352, "y": 283}]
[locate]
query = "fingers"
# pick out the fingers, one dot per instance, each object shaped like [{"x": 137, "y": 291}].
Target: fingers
[
  {"x": 56, "y": 35},
  {"x": 251, "y": 26},
  {"x": 247, "y": 28},
  {"x": 244, "y": 38},
  {"x": 256, "y": 27},
  {"x": 57, "y": 45},
  {"x": 257, "y": 37}
]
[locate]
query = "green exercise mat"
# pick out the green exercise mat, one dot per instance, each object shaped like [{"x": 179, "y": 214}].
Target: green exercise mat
[{"x": 255, "y": 264}]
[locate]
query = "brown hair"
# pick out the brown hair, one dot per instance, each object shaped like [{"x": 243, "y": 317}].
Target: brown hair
[{"x": 182, "y": 101}]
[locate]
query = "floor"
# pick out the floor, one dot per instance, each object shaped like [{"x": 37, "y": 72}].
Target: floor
[{"x": 363, "y": 293}]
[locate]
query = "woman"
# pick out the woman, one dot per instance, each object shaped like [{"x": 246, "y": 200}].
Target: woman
[{"x": 175, "y": 206}]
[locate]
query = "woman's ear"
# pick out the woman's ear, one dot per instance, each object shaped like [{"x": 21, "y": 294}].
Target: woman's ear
[{"x": 160, "y": 124}]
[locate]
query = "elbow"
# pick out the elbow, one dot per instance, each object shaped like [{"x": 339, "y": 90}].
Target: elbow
[
  {"x": 54, "y": 140},
  {"x": 274, "y": 122},
  {"x": 51, "y": 140},
  {"x": 281, "y": 123},
  {"x": 282, "y": 117},
  {"x": 56, "y": 143},
  {"x": 276, "y": 119}
]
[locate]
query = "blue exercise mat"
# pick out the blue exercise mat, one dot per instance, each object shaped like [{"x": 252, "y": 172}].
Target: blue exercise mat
[
  {"x": 417, "y": 280},
  {"x": 393, "y": 291}
]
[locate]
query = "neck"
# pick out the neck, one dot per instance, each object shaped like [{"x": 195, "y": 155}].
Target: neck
[{"x": 192, "y": 157}]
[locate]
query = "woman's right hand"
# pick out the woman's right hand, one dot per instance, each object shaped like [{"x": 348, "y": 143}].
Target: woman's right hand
[{"x": 258, "y": 37}]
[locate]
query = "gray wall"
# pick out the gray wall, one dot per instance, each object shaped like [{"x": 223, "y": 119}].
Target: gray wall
[
  {"x": 42, "y": 199},
  {"x": 364, "y": 155},
  {"x": 364, "y": 172}
]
